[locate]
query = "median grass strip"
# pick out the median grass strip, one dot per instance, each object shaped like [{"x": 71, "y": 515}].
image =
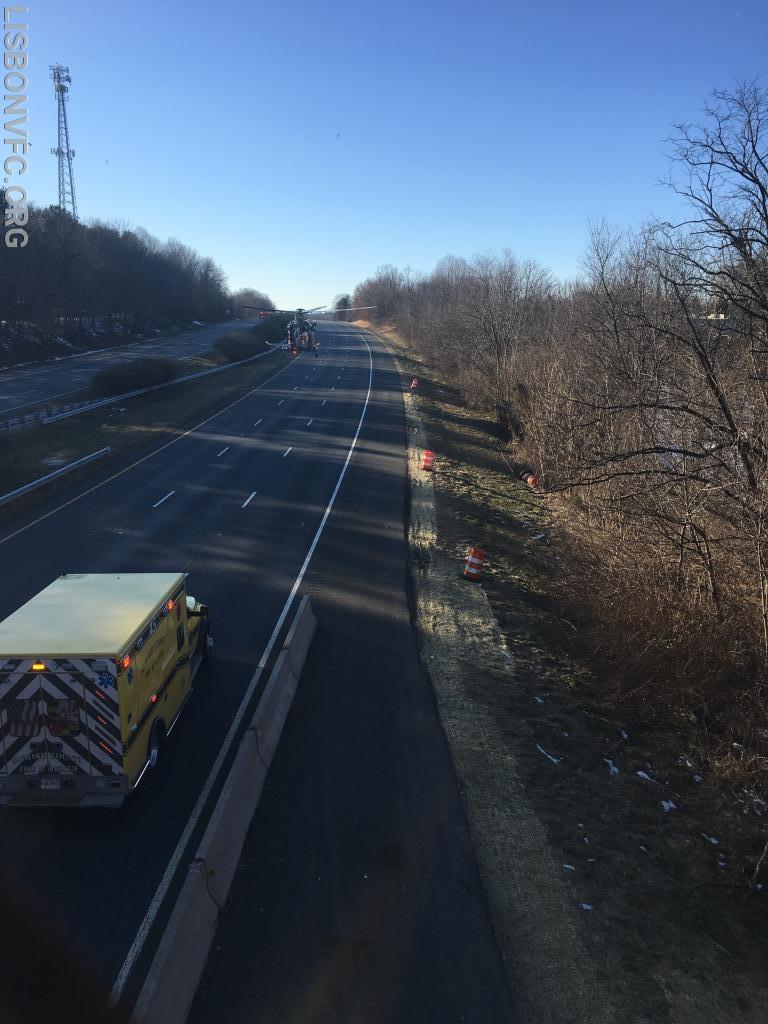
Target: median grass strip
[
  {"x": 145, "y": 420},
  {"x": 645, "y": 885}
]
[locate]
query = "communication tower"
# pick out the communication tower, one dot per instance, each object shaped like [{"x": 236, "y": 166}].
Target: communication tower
[{"x": 64, "y": 152}]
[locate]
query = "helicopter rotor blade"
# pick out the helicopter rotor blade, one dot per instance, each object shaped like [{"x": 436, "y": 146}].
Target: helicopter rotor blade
[{"x": 274, "y": 312}]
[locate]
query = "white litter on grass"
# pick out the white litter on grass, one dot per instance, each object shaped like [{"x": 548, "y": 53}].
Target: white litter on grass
[
  {"x": 539, "y": 700},
  {"x": 752, "y": 803},
  {"x": 667, "y": 806},
  {"x": 586, "y": 839},
  {"x": 644, "y": 775},
  {"x": 697, "y": 778},
  {"x": 711, "y": 839},
  {"x": 643, "y": 848},
  {"x": 539, "y": 536},
  {"x": 624, "y": 735},
  {"x": 585, "y": 906},
  {"x": 569, "y": 867},
  {"x": 684, "y": 760},
  {"x": 722, "y": 864},
  {"x": 612, "y": 768},
  {"x": 541, "y": 750}
]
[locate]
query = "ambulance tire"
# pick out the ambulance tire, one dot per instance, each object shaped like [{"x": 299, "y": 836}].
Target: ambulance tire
[
  {"x": 156, "y": 738},
  {"x": 205, "y": 650}
]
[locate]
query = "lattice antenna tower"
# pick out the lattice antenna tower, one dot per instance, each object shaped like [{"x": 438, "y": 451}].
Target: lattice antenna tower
[{"x": 64, "y": 152}]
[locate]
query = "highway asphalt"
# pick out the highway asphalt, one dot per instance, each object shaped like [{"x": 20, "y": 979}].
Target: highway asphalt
[
  {"x": 24, "y": 386},
  {"x": 358, "y": 898},
  {"x": 362, "y": 783}
]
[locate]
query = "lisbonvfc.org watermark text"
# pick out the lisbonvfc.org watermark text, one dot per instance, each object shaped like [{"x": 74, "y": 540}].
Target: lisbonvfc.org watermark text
[{"x": 16, "y": 117}]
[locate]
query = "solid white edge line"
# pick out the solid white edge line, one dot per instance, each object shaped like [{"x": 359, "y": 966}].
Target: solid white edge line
[
  {"x": 159, "y": 503},
  {"x": 141, "y": 774},
  {"x": 249, "y": 500},
  {"x": 144, "y": 458},
  {"x": 194, "y": 817}
]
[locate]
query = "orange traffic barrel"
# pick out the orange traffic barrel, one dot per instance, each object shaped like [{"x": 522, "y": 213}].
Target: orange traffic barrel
[
  {"x": 530, "y": 478},
  {"x": 474, "y": 564},
  {"x": 414, "y": 383},
  {"x": 428, "y": 459}
]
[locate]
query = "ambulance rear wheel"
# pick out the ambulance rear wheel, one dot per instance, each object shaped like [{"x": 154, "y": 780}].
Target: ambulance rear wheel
[
  {"x": 156, "y": 738},
  {"x": 203, "y": 647}
]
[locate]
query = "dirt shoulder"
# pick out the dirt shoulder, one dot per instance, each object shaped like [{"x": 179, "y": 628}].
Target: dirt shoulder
[{"x": 616, "y": 868}]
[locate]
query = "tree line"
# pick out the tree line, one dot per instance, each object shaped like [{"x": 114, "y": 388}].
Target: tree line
[
  {"x": 74, "y": 281},
  {"x": 640, "y": 393}
]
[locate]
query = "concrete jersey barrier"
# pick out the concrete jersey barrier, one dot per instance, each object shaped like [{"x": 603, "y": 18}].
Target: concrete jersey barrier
[{"x": 170, "y": 985}]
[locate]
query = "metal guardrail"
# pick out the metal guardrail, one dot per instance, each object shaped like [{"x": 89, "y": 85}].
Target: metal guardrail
[
  {"x": 56, "y": 414},
  {"x": 61, "y": 471}
]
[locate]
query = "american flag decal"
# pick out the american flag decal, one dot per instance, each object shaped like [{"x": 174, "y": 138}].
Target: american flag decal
[{"x": 23, "y": 718}]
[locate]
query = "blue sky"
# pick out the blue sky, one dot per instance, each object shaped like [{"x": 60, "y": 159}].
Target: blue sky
[{"x": 301, "y": 145}]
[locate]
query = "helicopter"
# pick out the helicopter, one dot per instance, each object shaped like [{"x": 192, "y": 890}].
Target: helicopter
[{"x": 300, "y": 330}]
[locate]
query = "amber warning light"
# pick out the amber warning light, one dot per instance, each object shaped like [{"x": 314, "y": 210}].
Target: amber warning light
[{"x": 38, "y": 667}]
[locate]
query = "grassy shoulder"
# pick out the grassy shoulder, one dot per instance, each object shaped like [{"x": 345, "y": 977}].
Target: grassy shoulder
[
  {"x": 126, "y": 428},
  {"x": 655, "y": 854}
]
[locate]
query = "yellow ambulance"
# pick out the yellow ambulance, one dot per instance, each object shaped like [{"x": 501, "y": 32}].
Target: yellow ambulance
[{"x": 94, "y": 672}]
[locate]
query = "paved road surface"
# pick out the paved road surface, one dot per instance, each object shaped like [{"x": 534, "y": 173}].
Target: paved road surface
[
  {"x": 244, "y": 495},
  {"x": 358, "y": 897},
  {"x": 28, "y": 385}
]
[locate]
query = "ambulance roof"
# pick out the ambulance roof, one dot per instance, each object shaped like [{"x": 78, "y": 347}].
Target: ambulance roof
[{"x": 86, "y": 615}]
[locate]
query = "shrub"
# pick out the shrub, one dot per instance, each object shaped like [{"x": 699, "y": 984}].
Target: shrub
[
  {"x": 251, "y": 340},
  {"x": 139, "y": 373},
  {"x": 239, "y": 345}
]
